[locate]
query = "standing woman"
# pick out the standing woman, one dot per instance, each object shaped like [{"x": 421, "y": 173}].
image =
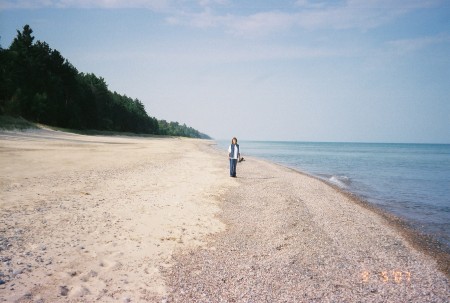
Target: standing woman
[{"x": 233, "y": 154}]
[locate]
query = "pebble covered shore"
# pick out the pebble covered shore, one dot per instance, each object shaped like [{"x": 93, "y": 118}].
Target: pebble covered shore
[{"x": 292, "y": 238}]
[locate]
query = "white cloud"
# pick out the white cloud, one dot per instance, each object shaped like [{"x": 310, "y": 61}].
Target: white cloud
[
  {"x": 256, "y": 24},
  {"x": 358, "y": 14},
  {"x": 305, "y": 14},
  {"x": 260, "y": 23},
  {"x": 208, "y": 3},
  {"x": 28, "y": 4},
  {"x": 410, "y": 45},
  {"x": 147, "y": 4},
  {"x": 309, "y": 4}
]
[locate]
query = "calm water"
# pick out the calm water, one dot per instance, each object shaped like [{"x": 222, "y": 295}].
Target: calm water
[{"x": 411, "y": 181}]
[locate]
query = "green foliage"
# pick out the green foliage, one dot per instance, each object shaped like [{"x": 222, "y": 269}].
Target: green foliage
[
  {"x": 11, "y": 123},
  {"x": 39, "y": 84},
  {"x": 175, "y": 129}
]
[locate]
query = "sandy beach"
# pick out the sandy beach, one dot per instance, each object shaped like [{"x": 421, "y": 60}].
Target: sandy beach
[
  {"x": 150, "y": 219},
  {"x": 95, "y": 218}
]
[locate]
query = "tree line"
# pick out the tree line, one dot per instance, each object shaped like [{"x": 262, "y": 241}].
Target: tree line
[{"x": 40, "y": 85}]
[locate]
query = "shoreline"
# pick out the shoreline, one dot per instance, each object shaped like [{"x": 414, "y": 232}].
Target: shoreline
[
  {"x": 88, "y": 218},
  {"x": 407, "y": 181},
  {"x": 294, "y": 238},
  {"x": 421, "y": 241}
]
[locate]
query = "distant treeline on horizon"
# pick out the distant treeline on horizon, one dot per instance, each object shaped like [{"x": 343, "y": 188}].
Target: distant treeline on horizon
[{"x": 40, "y": 85}]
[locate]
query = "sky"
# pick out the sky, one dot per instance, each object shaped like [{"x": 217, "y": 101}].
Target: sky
[{"x": 300, "y": 70}]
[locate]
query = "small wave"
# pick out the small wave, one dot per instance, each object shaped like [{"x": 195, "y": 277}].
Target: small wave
[{"x": 341, "y": 181}]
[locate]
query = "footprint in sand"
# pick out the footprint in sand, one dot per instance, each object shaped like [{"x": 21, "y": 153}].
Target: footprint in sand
[
  {"x": 90, "y": 274},
  {"x": 108, "y": 264},
  {"x": 78, "y": 291}
]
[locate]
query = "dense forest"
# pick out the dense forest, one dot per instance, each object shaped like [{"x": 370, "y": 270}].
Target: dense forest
[{"x": 40, "y": 85}]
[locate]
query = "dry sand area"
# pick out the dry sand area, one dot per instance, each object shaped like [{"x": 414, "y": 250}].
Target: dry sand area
[
  {"x": 90, "y": 218},
  {"x": 133, "y": 219}
]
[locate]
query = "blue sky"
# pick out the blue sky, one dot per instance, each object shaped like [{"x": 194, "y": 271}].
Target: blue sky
[{"x": 355, "y": 70}]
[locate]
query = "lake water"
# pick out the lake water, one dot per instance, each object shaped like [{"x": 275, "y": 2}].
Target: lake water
[{"x": 411, "y": 181}]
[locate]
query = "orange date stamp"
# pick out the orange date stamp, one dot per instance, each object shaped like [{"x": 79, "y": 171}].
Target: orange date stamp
[{"x": 394, "y": 276}]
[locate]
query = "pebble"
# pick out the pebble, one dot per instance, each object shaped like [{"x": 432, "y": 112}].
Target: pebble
[
  {"x": 5, "y": 259},
  {"x": 2, "y": 282},
  {"x": 17, "y": 272},
  {"x": 63, "y": 290}
]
